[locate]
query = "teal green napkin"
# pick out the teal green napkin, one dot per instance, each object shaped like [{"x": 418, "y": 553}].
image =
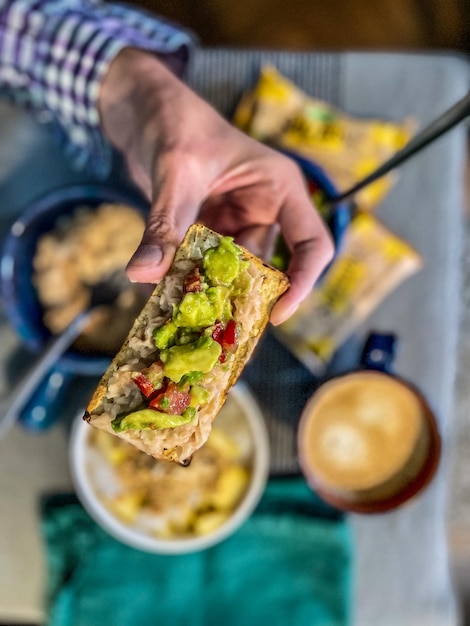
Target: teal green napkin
[{"x": 290, "y": 563}]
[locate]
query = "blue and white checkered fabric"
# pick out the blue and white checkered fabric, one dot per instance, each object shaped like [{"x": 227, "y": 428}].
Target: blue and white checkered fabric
[{"x": 54, "y": 53}]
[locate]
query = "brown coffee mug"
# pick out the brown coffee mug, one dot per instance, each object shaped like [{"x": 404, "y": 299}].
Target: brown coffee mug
[{"x": 368, "y": 440}]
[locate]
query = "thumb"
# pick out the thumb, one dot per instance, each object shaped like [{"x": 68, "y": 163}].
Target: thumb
[
  {"x": 175, "y": 208},
  {"x": 152, "y": 259}
]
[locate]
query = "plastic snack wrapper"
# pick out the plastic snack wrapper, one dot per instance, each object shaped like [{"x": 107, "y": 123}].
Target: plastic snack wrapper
[
  {"x": 348, "y": 148},
  {"x": 371, "y": 263}
]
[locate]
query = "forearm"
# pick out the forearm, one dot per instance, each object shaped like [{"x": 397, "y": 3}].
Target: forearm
[{"x": 54, "y": 56}]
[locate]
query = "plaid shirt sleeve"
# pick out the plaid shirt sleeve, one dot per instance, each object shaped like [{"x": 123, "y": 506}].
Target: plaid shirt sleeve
[{"x": 54, "y": 53}]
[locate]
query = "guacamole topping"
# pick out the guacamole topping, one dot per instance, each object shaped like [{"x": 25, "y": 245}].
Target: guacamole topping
[
  {"x": 222, "y": 264},
  {"x": 201, "y": 356},
  {"x": 149, "y": 418},
  {"x": 200, "y": 335}
]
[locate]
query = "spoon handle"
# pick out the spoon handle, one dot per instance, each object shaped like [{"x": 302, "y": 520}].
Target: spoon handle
[
  {"x": 450, "y": 118},
  {"x": 19, "y": 396}
]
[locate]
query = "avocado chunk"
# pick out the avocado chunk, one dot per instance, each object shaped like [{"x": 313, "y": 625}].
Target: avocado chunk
[
  {"x": 242, "y": 283},
  {"x": 165, "y": 336},
  {"x": 149, "y": 419},
  {"x": 199, "y": 356},
  {"x": 201, "y": 309},
  {"x": 222, "y": 264},
  {"x": 199, "y": 395},
  {"x": 190, "y": 379}
]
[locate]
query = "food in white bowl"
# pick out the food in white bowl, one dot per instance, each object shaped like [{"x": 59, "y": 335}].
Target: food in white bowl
[{"x": 163, "y": 507}]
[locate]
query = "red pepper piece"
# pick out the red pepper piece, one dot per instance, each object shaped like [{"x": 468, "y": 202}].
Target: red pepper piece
[
  {"x": 145, "y": 386},
  {"x": 227, "y": 336},
  {"x": 172, "y": 401},
  {"x": 230, "y": 336},
  {"x": 218, "y": 332}
]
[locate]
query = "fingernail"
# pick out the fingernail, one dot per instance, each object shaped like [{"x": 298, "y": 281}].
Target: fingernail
[
  {"x": 280, "y": 316},
  {"x": 143, "y": 266},
  {"x": 147, "y": 256}
]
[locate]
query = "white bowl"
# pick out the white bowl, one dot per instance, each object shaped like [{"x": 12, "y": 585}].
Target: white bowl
[{"x": 247, "y": 429}]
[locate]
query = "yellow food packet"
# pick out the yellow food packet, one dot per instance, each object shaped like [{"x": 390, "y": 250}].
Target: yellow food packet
[
  {"x": 348, "y": 148},
  {"x": 371, "y": 263},
  {"x": 265, "y": 111}
]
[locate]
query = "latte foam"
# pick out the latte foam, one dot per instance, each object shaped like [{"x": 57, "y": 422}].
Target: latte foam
[{"x": 363, "y": 436}]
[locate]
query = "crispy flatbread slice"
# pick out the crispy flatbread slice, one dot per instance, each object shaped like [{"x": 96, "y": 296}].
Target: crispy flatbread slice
[{"x": 117, "y": 394}]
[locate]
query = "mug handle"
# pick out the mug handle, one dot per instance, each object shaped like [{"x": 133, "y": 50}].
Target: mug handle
[{"x": 379, "y": 352}]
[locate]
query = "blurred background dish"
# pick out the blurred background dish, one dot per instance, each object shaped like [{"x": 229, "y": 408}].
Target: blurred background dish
[
  {"x": 162, "y": 507},
  {"x": 61, "y": 242},
  {"x": 60, "y": 246}
]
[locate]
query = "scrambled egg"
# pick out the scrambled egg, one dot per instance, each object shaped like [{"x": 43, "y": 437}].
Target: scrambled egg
[
  {"x": 171, "y": 501},
  {"x": 82, "y": 250}
]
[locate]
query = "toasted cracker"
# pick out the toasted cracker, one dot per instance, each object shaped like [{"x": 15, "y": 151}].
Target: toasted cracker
[{"x": 251, "y": 310}]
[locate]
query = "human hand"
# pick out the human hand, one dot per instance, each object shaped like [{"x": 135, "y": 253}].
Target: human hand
[{"x": 193, "y": 165}]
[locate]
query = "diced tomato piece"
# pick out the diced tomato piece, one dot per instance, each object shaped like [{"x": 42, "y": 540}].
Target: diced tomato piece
[
  {"x": 145, "y": 386},
  {"x": 227, "y": 336},
  {"x": 158, "y": 403},
  {"x": 230, "y": 337},
  {"x": 218, "y": 332},
  {"x": 193, "y": 281},
  {"x": 172, "y": 401}
]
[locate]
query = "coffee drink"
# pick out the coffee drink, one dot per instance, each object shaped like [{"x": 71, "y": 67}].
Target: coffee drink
[{"x": 364, "y": 437}]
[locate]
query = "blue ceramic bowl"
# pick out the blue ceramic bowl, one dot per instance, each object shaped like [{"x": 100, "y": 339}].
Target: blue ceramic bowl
[
  {"x": 19, "y": 297},
  {"x": 337, "y": 219}
]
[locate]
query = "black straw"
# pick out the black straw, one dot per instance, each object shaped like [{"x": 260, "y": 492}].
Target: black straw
[{"x": 450, "y": 118}]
